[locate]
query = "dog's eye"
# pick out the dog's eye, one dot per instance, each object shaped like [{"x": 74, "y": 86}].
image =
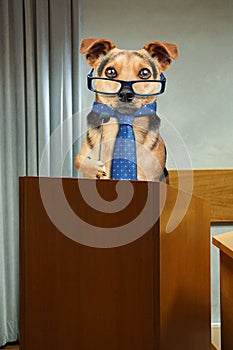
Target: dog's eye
[
  {"x": 111, "y": 72},
  {"x": 144, "y": 73}
]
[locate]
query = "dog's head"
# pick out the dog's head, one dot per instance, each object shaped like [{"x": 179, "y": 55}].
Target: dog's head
[{"x": 122, "y": 68}]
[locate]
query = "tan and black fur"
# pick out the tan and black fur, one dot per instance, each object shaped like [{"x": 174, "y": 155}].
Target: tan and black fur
[{"x": 102, "y": 55}]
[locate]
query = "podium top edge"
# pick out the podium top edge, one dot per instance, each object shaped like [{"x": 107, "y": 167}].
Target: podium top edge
[{"x": 82, "y": 179}]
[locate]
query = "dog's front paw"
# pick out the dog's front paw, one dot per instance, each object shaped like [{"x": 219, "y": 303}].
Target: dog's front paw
[
  {"x": 93, "y": 168},
  {"x": 101, "y": 173}
]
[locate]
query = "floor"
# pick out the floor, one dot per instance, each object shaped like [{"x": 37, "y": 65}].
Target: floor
[
  {"x": 215, "y": 336},
  {"x": 17, "y": 348},
  {"x": 215, "y": 344}
]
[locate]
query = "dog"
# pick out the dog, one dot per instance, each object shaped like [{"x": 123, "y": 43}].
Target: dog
[{"x": 112, "y": 66}]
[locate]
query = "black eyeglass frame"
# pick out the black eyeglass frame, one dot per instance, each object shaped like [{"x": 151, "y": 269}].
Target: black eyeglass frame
[{"x": 123, "y": 83}]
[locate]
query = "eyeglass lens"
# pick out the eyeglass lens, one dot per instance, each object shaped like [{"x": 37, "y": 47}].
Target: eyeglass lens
[{"x": 141, "y": 87}]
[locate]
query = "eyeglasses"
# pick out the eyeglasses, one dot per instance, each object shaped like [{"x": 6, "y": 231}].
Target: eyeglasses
[{"x": 110, "y": 86}]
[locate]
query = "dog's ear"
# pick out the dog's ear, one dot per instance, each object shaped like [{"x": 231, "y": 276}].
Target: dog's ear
[
  {"x": 164, "y": 52},
  {"x": 94, "y": 48}
]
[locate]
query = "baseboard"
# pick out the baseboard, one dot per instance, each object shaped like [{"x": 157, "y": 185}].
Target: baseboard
[{"x": 215, "y": 325}]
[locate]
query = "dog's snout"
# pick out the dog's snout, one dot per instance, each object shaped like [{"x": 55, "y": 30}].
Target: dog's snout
[{"x": 126, "y": 95}]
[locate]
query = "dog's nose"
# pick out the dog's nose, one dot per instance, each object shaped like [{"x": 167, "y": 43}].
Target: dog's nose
[{"x": 126, "y": 95}]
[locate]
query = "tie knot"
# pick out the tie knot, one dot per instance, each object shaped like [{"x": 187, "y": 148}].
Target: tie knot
[{"x": 125, "y": 119}]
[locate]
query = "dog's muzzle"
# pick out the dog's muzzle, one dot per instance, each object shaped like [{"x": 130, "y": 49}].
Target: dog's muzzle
[{"x": 126, "y": 94}]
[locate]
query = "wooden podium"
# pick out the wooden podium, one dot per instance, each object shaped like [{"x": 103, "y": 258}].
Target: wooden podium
[{"x": 152, "y": 293}]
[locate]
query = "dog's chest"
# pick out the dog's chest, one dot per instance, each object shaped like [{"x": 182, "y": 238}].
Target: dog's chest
[
  {"x": 143, "y": 136},
  {"x": 110, "y": 132},
  {"x": 140, "y": 128}
]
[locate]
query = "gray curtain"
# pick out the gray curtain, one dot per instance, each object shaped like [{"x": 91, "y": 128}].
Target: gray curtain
[{"x": 39, "y": 83}]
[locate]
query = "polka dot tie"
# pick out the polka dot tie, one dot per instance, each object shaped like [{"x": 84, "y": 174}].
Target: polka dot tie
[{"x": 124, "y": 161}]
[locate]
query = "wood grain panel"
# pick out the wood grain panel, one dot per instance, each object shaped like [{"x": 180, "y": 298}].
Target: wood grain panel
[
  {"x": 226, "y": 287},
  {"x": 184, "y": 281},
  {"x": 149, "y": 294},
  {"x": 79, "y": 297},
  {"x": 224, "y": 242},
  {"x": 214, "y": 185}
]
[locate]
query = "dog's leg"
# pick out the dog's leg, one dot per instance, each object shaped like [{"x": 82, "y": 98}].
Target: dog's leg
[{"x": 86, "y": 162}]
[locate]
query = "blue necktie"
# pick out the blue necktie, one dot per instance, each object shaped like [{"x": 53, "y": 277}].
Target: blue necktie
[{"x": 124, "y": 162}]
